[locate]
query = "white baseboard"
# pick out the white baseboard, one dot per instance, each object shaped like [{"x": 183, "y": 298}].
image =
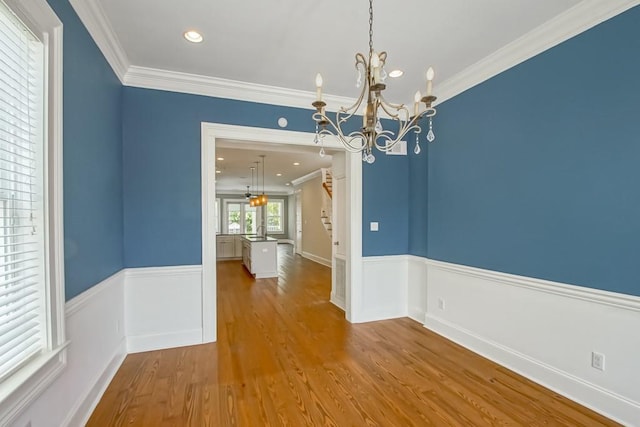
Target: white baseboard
[
  {"x": 141, "y": 343},
  {"x": 85, "y": 405},
  {"x": 316, "y": 258},
  {"x": 163, "y": 307},
  {"x": 338, "y": 302},
  {"x": 543, "y": 330}
]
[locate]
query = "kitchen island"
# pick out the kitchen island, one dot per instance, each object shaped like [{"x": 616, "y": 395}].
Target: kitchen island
[{"x": 260, "y": 256}]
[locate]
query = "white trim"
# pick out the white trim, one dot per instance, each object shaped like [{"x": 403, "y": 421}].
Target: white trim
[
  {"x": 81, "y": 412},
  {"x": 210, "y": 132},
  {"x": 34, "y": 378},
  {"x": 307, "y": 177},
  {"x": 94, "y": 19},
  {"x": 579, "y": 18},
  {"x": 142, "y": 343},
  {"x": 173, "y": 81},
  {"x": 164, "y": 271},
  {"x": 317, "y": 259}
]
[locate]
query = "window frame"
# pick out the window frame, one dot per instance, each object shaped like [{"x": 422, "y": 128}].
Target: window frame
[
  {"x": 243, "y": 211},
  {"x": 21, "y": 389},
  {"x": 281, "y": 230}
]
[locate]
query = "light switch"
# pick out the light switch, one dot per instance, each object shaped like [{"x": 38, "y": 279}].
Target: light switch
[{"x": 373, "y": 226}]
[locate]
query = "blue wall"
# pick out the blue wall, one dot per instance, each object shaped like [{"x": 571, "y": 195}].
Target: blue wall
[
  {"x": 92, "y": 159},
  {"x": 162, "y": 206},
  {"x": 418, "y": 195},
  {"x": 536, "y": 171},
  {"x": 385, "y": 197},
  {"x": 162, "y": 218}
]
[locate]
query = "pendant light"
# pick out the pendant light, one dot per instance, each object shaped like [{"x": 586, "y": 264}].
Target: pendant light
[{"x": 264, "y": 199}]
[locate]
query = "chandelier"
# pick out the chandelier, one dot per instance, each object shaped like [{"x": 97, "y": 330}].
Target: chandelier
[{"x": 371, "y": 103}]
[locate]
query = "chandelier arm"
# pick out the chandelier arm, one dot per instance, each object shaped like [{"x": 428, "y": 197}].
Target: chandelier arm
[{"x": 346, "y": 140}]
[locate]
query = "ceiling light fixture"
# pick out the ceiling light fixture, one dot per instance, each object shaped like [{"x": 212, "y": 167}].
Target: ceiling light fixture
[
  {"x": 221, "y": 158},
  {"x": 396, "y": 73},
  {"x": 370, "y": 104},
  {"x": 278, "y": 174},
  {"x": 193, "y": 36},
  {"x": 218, "y": 171},
  {"x": 296, "y": 164}
]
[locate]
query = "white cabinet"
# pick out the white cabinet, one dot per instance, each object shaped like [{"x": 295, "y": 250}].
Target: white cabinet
[
  {"x": 237, "y": 253},
  {"x": 260, "y": 256},
  {"x": 225, "y": 246}
]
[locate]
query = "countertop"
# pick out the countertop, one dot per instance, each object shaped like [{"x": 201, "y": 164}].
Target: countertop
[{"x": 254, "y": 238}]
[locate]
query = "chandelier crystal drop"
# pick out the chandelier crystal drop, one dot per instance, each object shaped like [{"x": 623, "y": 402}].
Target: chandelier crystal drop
[{"x": 370, "y": 77}]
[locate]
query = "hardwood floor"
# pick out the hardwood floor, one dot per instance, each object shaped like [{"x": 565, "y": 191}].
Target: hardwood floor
[{"x": 286, "y": 356}]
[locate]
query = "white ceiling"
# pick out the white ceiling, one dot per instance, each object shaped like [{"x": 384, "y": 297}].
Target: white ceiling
[
  {"x": 284, "y": 43},
  {"x": 235, "y": 172}
]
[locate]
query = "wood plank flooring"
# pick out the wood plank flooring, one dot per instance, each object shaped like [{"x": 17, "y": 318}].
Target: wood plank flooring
[{"x": 285, "y": 356}]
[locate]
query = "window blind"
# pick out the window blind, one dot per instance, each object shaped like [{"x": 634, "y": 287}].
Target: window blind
[{"x": 22, "y": 293}]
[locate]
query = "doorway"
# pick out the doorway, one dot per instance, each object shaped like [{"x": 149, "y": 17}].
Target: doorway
[{"x": 353, "y": 224}]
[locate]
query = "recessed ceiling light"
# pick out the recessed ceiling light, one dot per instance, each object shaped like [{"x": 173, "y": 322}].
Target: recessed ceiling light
[
  {"x": 221, "y": 158},
  {"x": 218, "y": 171},
  {"x": 396, "y": 73},
  {"x": 296, "y": 164},
  {"x": 287, "y": 183},
  {"x": 193, "y": 36},
  {"x": 278, "y": 174}
]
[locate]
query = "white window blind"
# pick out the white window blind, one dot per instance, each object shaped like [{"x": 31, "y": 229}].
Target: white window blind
[{"x": 23, "y": 328}]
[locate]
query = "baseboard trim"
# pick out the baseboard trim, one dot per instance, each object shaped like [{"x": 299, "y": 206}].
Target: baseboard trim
[
  {"x": 316, "y": 258},
  {"x": 554, "y": 379},
  {"x": 338, "y": 302},
  {"x": 85, "y": 406},
  {"x": 142, "y": 343}
]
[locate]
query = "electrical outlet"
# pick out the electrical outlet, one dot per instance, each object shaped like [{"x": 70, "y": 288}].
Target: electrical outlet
[
  {"x": 597, "y": 360},
  {"x": 440, "y": 303}
]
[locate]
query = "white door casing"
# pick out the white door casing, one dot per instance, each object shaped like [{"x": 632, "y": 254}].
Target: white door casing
[{"x": 250, "y": 135}]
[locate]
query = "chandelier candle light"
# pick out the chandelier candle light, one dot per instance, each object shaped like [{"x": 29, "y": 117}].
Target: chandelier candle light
[{"x": 371, "y": 103}]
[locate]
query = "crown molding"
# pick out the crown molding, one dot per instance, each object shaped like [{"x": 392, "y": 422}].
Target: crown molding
[
  {"x": 580, "y": 18},
  {"x": 94, "y": 19},
  {"x": 174, "y": 81},
  {"x": 307, "y": 177}
]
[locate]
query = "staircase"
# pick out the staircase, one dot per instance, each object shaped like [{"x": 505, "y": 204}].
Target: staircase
[{"x": 326, "y": 210}]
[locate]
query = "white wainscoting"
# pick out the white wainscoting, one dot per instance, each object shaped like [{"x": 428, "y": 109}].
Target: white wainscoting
[
  {"x": 384, "y": 288},
  {"x": 95, "y": 330},
  {"x": 163, "y": 307},
  {"x": 543, "y": 330}
]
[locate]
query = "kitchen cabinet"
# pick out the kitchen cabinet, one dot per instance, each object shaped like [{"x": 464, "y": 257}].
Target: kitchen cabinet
[{"x": 260, "y": 256}]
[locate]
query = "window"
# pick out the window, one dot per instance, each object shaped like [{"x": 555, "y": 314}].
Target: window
[
  {"x": 241, "y": 218},
  {"x": 275, "y": 216},
  {"x": 31, "y": 255}
]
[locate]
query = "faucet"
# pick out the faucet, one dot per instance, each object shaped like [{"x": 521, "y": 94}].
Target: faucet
[{"x": 264, "y": 230}]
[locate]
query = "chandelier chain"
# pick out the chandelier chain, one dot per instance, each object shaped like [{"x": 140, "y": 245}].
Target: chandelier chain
[{"x": 370, "y": 28}]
